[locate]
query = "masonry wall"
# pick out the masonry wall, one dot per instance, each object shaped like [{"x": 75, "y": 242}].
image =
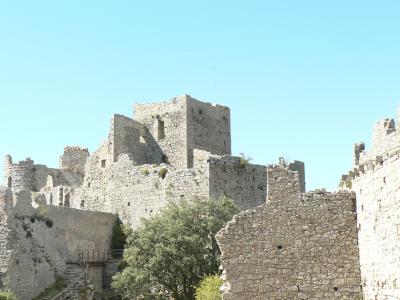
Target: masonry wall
[
  {"x": 134, "y": 192},
  {"x": 244, "y": 183},
  {"x": 26, "y": 175},
  {"x": 38, "y": 242},
  {"x": 208, "y": 128},
  {"x": 131, "y": 137},
  {"x": 375, "y": 178},
  {"x": 300, "y": 247},
  {"x": 283, "y": 182},
  {"x": 378, "y": 208},
  {"x": 74, "y": 159},
  {"x": 167, "y": 123}
]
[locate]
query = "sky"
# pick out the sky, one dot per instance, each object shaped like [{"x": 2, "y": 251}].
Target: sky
[{"x": 304, "y": 79}]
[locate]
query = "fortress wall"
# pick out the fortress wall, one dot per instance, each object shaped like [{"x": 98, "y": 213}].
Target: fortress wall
[
  {"x": 167, "y": 123},
  {"x": 131, "y": 137},
  {"x": 74, "y": 160},
  {"x": 19, "y": 176},
  {"x": 38, "y": 242},
  {"x": 298, "y": 247},
  {"x": 283, "y": 182},
  {"x": 25, "y": 175},
  {"x": 385, "y": 141},
  {"x": 378, "y": 210},
  {"x": 244, "y": 183},
  {"x": 134, "y": 192},
  {"x": 208, "y": 128}
]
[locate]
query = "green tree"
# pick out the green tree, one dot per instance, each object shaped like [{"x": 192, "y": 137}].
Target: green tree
[
  {"x": 169, "y": 254},
  {"x": 209, "y": 288},
  {"x": 118, "y": 238}
]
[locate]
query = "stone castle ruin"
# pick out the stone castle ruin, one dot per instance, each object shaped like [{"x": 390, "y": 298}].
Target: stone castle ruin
[{"x": 285, "y": 244}]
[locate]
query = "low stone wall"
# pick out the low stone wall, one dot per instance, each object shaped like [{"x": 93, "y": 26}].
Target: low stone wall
[{"x": 300, "y": 247}]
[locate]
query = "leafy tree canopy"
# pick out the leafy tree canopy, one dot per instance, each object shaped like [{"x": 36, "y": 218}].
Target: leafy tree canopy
[
  {"x": 172, "y": 252},
  {"x": 209, "y": 288}
]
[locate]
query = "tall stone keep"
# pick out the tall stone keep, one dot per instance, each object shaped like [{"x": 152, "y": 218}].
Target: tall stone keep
[{"x": 185, "y": 124}]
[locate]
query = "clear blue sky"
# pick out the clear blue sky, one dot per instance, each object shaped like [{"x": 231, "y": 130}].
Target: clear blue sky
[{"x": 304, "y": 79}]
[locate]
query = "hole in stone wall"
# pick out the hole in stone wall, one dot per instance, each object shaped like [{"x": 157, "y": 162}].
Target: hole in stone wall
[
  {"x": 88, "y": 184},
  {"x": 129, "y": 204},
  {"x": 82, "y": 203},
  {"x": 103, "y": 163},
  {"x": 9, "y": 182},
  {"x": 384, "y": 179},
  {"x": 161, "y": 130},
  {"x": 51, "y": 199},
  {"x": 279, "y": 247},
  {"x": 335, "y": 289}
]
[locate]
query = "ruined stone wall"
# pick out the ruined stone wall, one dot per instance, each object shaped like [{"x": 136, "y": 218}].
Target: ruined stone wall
[
  {"x": 378, "y": 209},
  {"x": 74, "y": 160},
  {"x": 25, "y": 175},
  {"x": 375, "y": 178},
  {"x": 37, "y": 243},
  {"x": 131, "y": 137},
  {"x": 19, "y": 176},
  {"x": 283, "y": 182},
  {"x": 208, "y": 128},
  {"x": 167, "y": 123},
  {"x": 244, "y": 183},
  {"x": 298, "y": 247},
  {"x": 134, "y": 192}
]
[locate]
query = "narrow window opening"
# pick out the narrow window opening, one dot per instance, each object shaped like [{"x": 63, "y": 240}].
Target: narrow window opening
[
  {"x": 66, "y": 201},
  {"x": 51, "y": 199},
  {"x": 161, "y": 130},
  {"x": 103, "y": 163},
  {"x": 88, "y": 184},
  {"x": 82, "y": 204},
  {"x": 9, "y": 182}
]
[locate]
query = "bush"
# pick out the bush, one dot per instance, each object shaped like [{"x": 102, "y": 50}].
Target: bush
[
  {"x": 209, "y": 288},
  {"x": 163, "y": 172},
  {"x": 7, "y": 295}
]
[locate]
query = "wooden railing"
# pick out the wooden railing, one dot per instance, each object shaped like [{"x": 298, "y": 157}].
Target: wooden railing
[{"x": 99, "y": 255}]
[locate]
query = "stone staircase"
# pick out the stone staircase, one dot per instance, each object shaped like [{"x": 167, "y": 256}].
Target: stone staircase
[{"x": 78, "y": 288}]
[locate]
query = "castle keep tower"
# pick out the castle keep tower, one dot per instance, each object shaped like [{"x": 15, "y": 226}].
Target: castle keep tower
[{"x": 185, "y": 124}]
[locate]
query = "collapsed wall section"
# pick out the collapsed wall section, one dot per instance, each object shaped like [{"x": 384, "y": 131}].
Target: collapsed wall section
[{"x": 299, "y": 247}]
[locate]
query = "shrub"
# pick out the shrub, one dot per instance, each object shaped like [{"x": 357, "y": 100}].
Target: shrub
[
  {"x": 7, "y": 295},
  {"x": 145, "y": 172},
  {"x": 244, "y": 160},
  {"x": 209, "y": 288},
  {"x": 163, "y": 172},
  {"x": 118, "y": 238}
]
